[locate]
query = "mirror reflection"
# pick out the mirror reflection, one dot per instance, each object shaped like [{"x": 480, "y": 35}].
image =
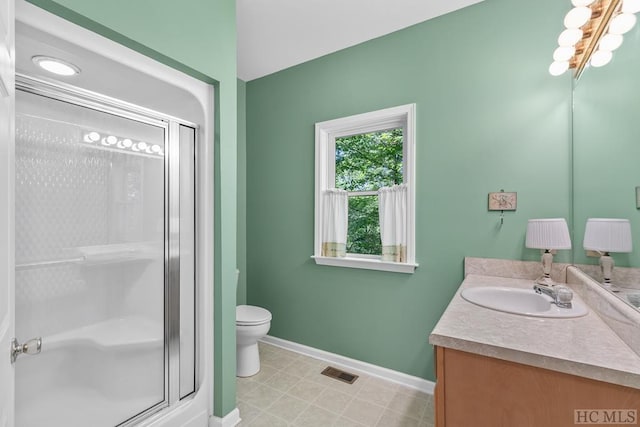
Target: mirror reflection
[{"x": 606, "y": 145}]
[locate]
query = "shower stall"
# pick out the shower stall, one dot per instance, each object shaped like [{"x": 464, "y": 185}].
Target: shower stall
[
  {"x": 112, "y": 315},
  {"x": 105, "y": 238}
]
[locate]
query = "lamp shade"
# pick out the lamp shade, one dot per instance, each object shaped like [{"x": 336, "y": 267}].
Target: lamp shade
[
  {"x": 608, "y": 235},
  {"x": 548, "y": 233}
]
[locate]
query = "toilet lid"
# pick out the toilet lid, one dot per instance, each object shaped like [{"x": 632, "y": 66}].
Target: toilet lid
[{"x": 247, "y": 315}]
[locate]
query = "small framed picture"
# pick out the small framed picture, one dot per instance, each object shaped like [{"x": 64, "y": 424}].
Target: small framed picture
[
  {"x": 503, "y": 201},
  {"x": 637, "y": 197}
]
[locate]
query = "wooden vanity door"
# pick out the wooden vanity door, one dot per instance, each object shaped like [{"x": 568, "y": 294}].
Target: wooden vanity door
[{"x": 480, "y": 391}]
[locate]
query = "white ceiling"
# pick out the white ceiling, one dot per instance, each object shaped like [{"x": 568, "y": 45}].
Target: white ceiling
[{"x": 277, "y": 34}]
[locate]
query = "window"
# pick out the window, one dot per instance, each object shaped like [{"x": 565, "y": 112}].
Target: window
[
  {"x": 355, "y": 158},
  {"x": 364, "y": 163}
]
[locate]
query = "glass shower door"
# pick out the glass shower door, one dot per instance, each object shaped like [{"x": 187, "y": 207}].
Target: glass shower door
[{"x": 91, "y": 212}]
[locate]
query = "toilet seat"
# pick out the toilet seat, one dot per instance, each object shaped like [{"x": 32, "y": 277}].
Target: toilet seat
[{"x": 250, "y": 315}]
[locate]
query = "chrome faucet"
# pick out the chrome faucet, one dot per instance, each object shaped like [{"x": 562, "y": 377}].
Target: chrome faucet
[{"x": 561, "y": 295}]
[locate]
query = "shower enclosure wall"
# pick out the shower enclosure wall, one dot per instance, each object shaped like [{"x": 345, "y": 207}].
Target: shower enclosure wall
[
  {"x": 113, "y": 233},
  {"x": 104, "y": 259}
]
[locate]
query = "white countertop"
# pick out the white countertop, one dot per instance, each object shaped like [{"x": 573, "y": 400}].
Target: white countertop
[{"x": 583, "y": 346}]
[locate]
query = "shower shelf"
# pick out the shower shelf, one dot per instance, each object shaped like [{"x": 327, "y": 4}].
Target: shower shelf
[
  {"x": 38, "y": 264},
  {"x": 81, "y": 261},
  {"x": 124, "y": 332},
  {"x": 101, "y": 255}
]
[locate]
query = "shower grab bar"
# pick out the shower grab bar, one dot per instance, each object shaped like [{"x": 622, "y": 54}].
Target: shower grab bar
[{"x": 37, "y": 264}]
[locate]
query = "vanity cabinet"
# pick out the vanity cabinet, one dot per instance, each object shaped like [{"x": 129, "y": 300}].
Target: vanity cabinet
[{"x": 479, "y": 391}]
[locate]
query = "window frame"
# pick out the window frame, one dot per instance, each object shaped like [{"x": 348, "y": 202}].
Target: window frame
[{"x": 325, "y": 135}]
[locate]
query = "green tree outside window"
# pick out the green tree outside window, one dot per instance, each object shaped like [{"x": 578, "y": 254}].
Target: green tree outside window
[{"x": 365, "y": 163}]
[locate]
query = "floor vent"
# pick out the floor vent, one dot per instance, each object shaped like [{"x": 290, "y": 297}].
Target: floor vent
[{"x": 340, "y": 375}]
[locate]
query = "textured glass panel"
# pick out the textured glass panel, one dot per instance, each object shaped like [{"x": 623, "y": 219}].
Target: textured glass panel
[
  {"x": 89, "y": 264},
  {"x": 364, "y": 226},
  {"x": 187, "y": 261},
  {"x": 368, "y": 161}
]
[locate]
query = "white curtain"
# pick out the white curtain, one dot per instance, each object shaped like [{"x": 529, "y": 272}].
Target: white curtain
[
  {"x": 335, "y": 210},
  {"x": 393, "y": 222}
]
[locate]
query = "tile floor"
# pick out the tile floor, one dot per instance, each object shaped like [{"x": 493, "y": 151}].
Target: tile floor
[{"x": 290, "y": 391}]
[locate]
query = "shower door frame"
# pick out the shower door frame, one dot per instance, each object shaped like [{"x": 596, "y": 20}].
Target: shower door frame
[
  {"x": 171, "y": 126},
  {"x": 7, "y": 114}
]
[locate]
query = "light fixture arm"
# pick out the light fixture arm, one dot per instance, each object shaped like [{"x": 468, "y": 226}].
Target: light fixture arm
[{"x": 602, "y": 19}]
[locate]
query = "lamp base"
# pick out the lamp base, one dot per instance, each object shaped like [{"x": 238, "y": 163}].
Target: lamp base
[
  {"x": 545, "y": 281},
  {"x": 606, "y": 266},
  {"x": 610, "y": 287}
]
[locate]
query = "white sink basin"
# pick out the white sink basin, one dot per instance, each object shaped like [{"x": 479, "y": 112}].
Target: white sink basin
[{"x": 525, "y": 302}]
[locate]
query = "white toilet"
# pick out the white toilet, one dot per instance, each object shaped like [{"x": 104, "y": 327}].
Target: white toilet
[{"x": 252, "y": 323}]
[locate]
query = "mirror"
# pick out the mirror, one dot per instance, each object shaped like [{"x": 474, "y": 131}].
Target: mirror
[{"x": 606, "y": 159}]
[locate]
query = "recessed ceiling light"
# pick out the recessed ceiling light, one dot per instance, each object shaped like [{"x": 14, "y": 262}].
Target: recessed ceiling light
[{"x": 55, "y": 65}]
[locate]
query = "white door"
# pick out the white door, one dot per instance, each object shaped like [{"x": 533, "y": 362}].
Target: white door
[{"x": 7, "y": 117}]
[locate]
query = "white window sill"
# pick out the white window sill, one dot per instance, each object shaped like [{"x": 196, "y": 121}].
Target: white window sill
[{"x": 366, "y": 263}]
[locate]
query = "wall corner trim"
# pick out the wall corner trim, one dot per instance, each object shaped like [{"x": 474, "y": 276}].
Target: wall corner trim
[{"x": 343, "y": 362}]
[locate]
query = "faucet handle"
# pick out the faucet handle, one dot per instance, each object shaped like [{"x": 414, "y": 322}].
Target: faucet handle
[{"x": 564, "y": 295}]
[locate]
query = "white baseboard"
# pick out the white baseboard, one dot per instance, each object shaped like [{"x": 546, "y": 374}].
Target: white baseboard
[
  {"x": 230, "y": 420},
  {"x": 406, "y": 380}
]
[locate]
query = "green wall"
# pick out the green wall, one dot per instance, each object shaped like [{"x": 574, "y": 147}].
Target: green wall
[
  {"x": 489, "y": 117},
  {"x": 606, "y": 129},
  {"x": 242, "y": 193},
  {"x": 199, "y": 38}
]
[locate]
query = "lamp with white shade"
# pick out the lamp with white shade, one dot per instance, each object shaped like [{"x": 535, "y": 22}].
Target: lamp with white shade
[
  {"x": 547, "y": 234},
  {"x": 605, "y": 235}
]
